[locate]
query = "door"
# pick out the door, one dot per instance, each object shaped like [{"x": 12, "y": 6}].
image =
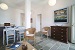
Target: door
[
  {"x": 38, "y": 22},
  {"x": 22, "y": 19},
  {"x": 73, "y": 25}
]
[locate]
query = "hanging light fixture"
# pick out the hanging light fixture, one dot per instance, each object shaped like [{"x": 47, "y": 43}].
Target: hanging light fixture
[
  {"x": 3, "y": 6},
  {"x": 52, "y": 2}
]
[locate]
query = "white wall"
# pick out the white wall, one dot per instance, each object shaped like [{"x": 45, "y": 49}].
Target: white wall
[
  {"x": 17, "y": 17},
  {"x": 6, "y": 16},
  {"x": 48, "y": 12},
  {"x": 11, "y": 15},
  {"x": 34, "y": 13}
]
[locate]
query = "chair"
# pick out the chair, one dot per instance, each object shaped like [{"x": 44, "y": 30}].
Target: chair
[
  {"x": 21, "y": 33},
  {"x": 10, "y": 34},
  {"x": 45, "y": 31},
  {"x": 30, "y": 34},
  {"x": 7, "y": 27}
]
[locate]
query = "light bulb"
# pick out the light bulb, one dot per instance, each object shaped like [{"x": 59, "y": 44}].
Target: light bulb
[
  {"x": 52, "y": 2},
  {"x": 3, "y": 6}
]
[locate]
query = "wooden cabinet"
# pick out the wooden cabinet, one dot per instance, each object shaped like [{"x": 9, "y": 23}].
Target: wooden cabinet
[{"x": 59, "y": 33}]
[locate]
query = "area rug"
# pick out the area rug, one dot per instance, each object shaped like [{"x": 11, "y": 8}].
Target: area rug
[
  {"x": 50, "y": 44},
  {"x": 42, "y": 43}
]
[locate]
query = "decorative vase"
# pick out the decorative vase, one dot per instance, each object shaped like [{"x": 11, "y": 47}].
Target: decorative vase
[{"x": 24, "y": 47}]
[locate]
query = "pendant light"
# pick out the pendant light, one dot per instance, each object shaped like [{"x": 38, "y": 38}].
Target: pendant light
[
  {"x": 3, "y": 6},
  {"x": 52, "y": 2}
]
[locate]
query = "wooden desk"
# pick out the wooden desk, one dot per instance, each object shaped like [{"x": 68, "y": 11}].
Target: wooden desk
[{"x": 30, "y": 47}]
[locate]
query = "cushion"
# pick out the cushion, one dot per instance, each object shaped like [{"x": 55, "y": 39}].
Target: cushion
[{"x": 30, "y": 35}]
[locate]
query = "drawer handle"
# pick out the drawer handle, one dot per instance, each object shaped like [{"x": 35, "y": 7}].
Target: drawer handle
[
  {"x": 61, "y": 32},
  {"x": 54, "y": 31},
  {"x": 61, "y": 36},
  {"x": 61, "y": 39},
  {"x": 54, "y": 28},
  {"x": 61, "y": 29},
  {"x": 53, "y": 37},
  {"x": 54, "y": 34}
]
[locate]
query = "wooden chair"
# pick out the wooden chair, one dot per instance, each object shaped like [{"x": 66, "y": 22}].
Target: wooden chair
[
  {"x": 45, "y": 31},
  {"x": 10, "y": 35},
  {"x": 30, "y": 34},
  {"x": 21, "y": 31}
]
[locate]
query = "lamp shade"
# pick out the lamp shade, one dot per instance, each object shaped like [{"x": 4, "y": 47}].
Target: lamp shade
[
  {"x": 52, "y": 2},
  {"x": 3, "y": 6}
]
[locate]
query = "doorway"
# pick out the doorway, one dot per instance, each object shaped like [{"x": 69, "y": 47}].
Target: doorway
[
  {"x": 22, "y": 19},
  {"x": 39, "y": 22}
]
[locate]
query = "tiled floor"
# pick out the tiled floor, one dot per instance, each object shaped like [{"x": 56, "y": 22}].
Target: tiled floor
[
  {"x": 42, "y": 43},
  {"x": 50, "y": 44}
]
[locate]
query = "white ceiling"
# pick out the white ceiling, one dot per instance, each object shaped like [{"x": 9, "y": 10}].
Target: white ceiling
[
  {"x": 21, "y": 3},
  {"x": 13, "y": 3},
  {"x": 39, "y": 1}
]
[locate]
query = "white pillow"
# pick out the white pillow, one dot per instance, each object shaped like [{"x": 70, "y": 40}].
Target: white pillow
[
  {"x": 30, "y": 35},
  {"x": 27, "y": 32}
]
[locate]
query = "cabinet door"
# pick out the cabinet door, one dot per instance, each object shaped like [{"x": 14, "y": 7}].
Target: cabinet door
[{"x": 73, "y": 25}]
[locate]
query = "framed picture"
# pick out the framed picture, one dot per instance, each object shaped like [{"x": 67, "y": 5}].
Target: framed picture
[
  {"x": 6, "y": 24},
  {"x": 61, "y": 15}
]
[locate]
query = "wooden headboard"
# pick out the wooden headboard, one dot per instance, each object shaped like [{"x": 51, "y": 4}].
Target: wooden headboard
[{"x": 6, "y": 24}]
